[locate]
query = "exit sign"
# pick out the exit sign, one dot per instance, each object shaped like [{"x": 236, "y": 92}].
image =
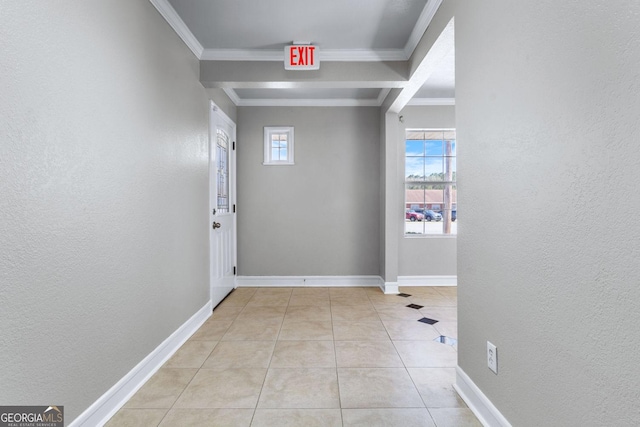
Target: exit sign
[{"x": 301, "y": 57}]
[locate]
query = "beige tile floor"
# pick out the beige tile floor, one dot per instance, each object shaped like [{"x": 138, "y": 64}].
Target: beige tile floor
[{"x": 311, "y": 357}]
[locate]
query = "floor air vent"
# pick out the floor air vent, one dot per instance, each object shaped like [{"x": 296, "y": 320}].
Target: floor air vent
[{"x": 446, "y": 340}]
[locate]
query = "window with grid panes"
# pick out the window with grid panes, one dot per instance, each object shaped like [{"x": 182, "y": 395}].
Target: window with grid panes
[
  {"x": 430, "y": 182},
  {"x": 278, "y": 146}
]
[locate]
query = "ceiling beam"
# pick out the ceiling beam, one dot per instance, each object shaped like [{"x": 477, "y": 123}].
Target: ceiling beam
[
  {"x": 421, "y": 26},
  {"x": 277, "y": 55},
  {"x": 272, "y": 75},
  {"x": 422, "y": 66}
]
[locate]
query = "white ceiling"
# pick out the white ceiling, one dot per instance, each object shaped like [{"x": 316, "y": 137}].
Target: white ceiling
[
  {"x": 343, "y": 30},
  {"x": 331, "y": 24}
]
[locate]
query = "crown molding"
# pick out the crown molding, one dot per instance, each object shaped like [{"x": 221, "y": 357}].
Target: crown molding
[
  {"x": 432, "y": 101},
  {"x": 242, "y": 55},
  {"x": 383, "y": 95},
  {"x": 419, "y": 29},
  {"x": 329, "y": 55},
  {"x": 308, "y": 102},
  {"x": 171, "y": 16},
  {"x": 362, "y": 55},
  {"x": 233, "y": 96}
]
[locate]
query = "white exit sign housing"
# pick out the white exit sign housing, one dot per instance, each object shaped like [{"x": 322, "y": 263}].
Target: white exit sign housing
[{"x": 301, "y": 57}]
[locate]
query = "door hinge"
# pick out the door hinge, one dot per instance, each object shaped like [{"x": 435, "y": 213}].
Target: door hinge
[
  {"x": 234, "y": 208},
  {"x": 233, "y": 146},
  {"x": 234, "y": 271}
]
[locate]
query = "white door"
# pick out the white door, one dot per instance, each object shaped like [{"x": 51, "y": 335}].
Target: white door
[{"x": 222, "y": 199}]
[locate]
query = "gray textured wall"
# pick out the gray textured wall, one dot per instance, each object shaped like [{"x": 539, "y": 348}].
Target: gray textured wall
[
  {"x": 383, "y": 196},
  {"x": 103, "y": 195},
  {"x": 222, "y": 100},
  {"x": 547, "y": 108},
  {"x": 428, "y": 256},
  {"x": 320, "y": 216}
]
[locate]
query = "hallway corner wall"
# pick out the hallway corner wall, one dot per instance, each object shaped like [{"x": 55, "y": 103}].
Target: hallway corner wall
[
  {"x": 103, "y": 195},
  {"x": 320, "y": 216},
  {"x": 222, "y": 100}
]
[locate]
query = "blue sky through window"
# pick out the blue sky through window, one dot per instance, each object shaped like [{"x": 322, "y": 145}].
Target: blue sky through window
[
  {"x": 278, "y": 147},
  {"x": 424, "y": 158}
]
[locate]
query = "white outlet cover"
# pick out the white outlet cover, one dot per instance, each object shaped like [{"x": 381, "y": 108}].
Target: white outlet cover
[{"x": 492, "y": 357}]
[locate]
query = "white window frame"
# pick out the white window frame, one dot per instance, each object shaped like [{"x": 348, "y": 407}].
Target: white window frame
[
  {"x": 270, "y": 130},
  {"x": 454, "y": 205}
]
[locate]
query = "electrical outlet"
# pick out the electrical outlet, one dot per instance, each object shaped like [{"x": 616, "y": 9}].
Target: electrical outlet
[{"x": 492, "y": 357}]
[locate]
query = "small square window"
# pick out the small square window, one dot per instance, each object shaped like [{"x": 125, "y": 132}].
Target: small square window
[{"x": 278, "y": 145}]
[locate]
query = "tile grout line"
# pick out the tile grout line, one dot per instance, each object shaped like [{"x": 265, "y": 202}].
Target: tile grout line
[
  {"x": 335, "y": 355},
  {"x": 341, "y": 298},
  {"x": 393, "y": 342},
  {"x": 189, "y": 383},
  {"x": 265, "y": 374},
  {"x": 275, "y": 344},
  {"x": 413, "y": 381},
  {"x": 255, "y": 408}
]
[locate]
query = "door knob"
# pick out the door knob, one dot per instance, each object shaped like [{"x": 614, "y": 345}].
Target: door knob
[{"x": 216, "y": 225}]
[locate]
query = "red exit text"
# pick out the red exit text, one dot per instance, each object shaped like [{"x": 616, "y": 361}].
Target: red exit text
[{"x": 301, "y": 57}]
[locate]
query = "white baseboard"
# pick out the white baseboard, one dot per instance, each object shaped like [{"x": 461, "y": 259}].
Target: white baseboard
[
  {"x": 338, "y": 281},
  {"x": 390, "y": 288},
  {"x": 109, "y": 403},
  {"x": 476, "y": 400},
  {"x": 427, "y": 280},
  {"x": 308, "y": 281}
]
